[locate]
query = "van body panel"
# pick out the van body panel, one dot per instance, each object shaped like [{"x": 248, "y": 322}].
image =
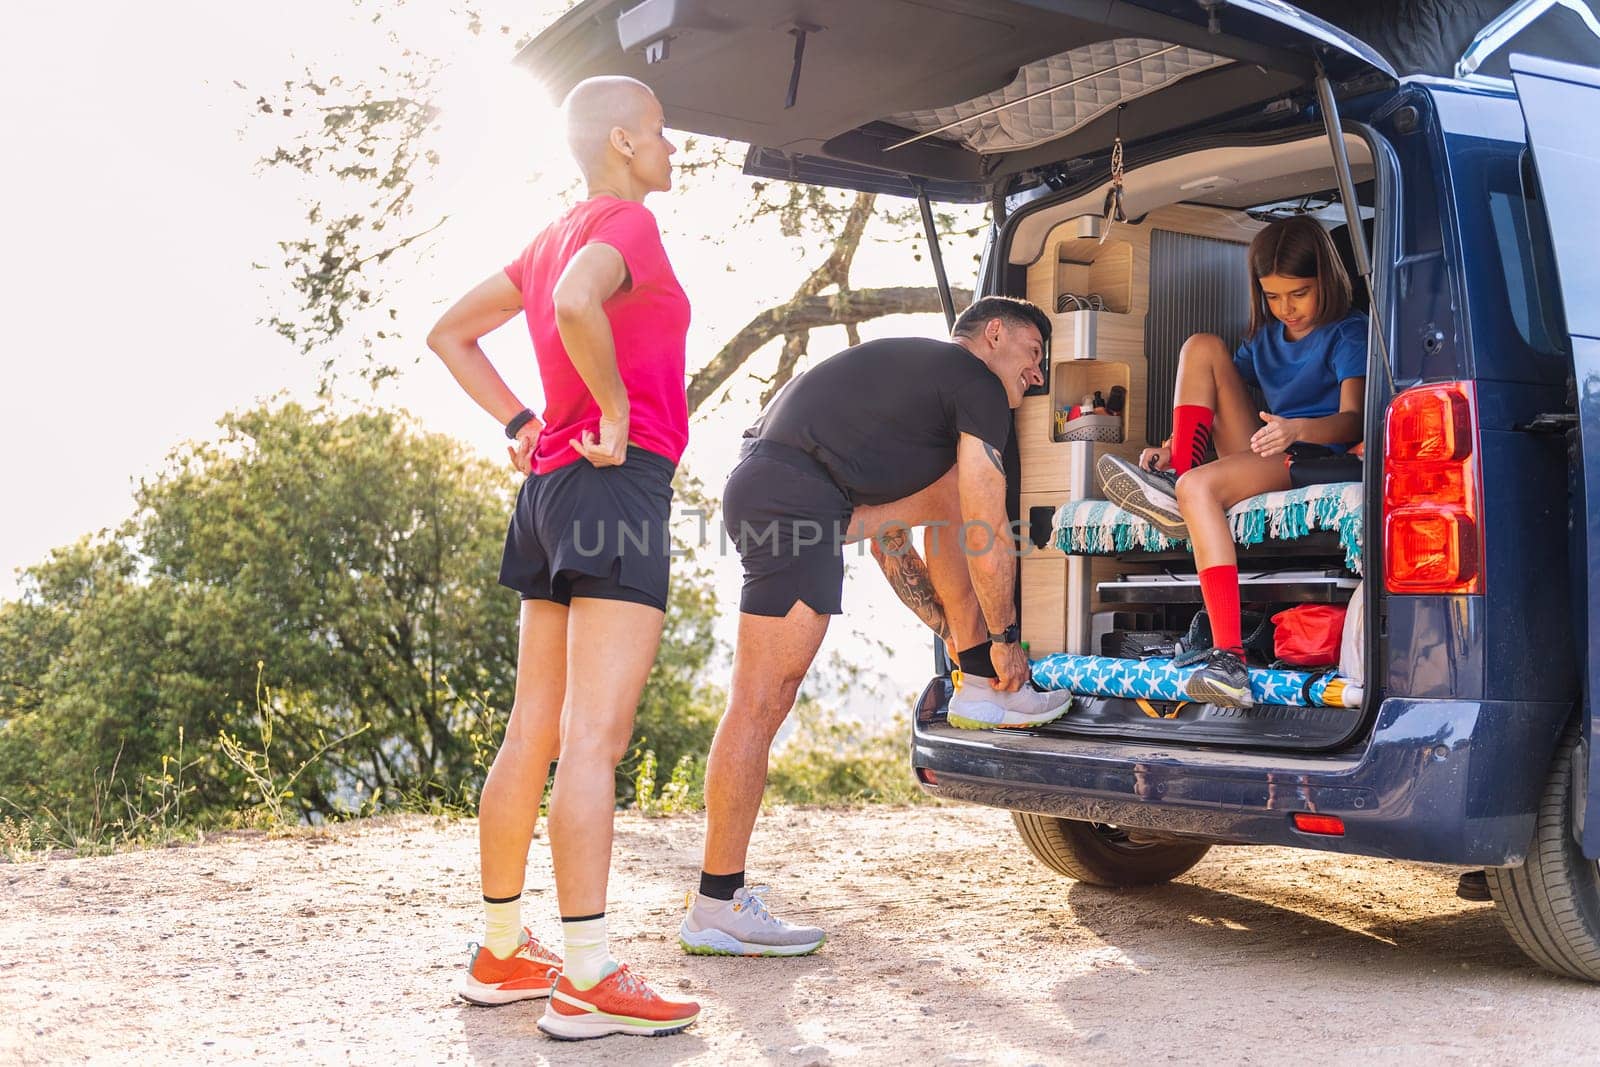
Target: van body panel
[
  {"x": 1436, "y": 646},
  {"x": 1527, "y": 645},
  {"x": 1432, "y": 784}
]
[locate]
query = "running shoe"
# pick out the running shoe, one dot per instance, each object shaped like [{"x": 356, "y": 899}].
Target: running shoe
[
  {"x": 743, "y": 927},
  {"x": 1221, "y": 679},
  {"x": 1151, "y": 495},
  {"x": 620, "y": 1003},
  {"x": 978, "y": 705},
  {"x": 523, "y": 975}
]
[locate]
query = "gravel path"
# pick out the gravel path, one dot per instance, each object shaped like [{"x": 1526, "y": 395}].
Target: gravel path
[{"x": 950, "y": 945}]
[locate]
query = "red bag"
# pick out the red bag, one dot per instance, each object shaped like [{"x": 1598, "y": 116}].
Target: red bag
[{"x": 1307, "y": 635}]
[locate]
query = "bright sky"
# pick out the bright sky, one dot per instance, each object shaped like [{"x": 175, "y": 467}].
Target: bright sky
[{"x": 136, "y": 212}]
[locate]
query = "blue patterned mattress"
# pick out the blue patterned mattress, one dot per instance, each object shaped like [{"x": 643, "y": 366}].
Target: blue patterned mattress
[
  {"x": 1158, "y": 679},
  {"x": 1100, "y": 528}
]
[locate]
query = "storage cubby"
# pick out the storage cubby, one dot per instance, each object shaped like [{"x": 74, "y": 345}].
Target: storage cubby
[
  {"x": 1085, "y": 267},
  {"x": 1079, "y": 378}
]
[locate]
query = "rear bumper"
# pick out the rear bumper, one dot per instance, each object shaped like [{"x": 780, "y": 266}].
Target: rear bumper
[{"x": 1438, "y": 781}]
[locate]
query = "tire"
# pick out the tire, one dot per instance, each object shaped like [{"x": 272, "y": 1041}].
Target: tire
[
  {"x": 1551, "y": 904},
  {"x": 1098, "y": 854}
]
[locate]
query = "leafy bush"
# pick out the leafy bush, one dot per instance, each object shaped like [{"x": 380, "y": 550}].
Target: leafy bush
[{"x": 828, "y": 760}]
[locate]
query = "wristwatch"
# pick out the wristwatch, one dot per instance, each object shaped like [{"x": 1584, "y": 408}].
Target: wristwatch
[
  {"x": 1009, "y": 636},
  {"x": 518, "y": 421}
]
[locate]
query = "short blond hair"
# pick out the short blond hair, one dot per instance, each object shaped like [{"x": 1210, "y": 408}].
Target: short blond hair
[{"x": 594, "y": 108}]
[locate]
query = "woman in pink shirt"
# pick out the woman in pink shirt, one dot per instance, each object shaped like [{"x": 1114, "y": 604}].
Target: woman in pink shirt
[{"x": 588, "y": 549}]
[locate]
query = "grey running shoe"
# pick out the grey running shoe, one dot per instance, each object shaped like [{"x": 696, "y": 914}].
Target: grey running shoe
[
  {"x": 743, "y": 927},
  {"x": 1151, "y": 495},
  {"x": 1221, "y": 679},
  {"x": 978, "y": 705}
]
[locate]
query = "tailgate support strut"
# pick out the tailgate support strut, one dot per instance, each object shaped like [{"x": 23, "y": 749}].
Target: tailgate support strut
[
  {"x": 1352, "y": 214},
  {"x": 932, "y": 233}
]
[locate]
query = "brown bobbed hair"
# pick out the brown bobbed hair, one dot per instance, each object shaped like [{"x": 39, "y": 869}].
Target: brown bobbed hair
[{"x": 1297, "y": 247}]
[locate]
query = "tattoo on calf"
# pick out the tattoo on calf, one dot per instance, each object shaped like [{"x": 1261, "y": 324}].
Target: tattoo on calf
[{"x": 908, "y": 576}]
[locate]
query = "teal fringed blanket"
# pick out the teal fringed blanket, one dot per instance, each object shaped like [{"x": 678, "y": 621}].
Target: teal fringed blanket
[{"x": 1100, "y": 528}]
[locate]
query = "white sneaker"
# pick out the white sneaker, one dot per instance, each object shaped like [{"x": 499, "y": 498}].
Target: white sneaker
[
  {"x": 743, "y": 927},
  {"x": 978, "y": 705}
]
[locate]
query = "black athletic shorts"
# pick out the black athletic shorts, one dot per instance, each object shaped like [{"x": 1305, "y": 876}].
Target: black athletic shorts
[
  {"x": 587, "y": 531},
  {"x": 789, "y": 521}
]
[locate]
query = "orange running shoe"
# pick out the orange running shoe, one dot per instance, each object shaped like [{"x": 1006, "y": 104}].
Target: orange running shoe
[
  {"x": 621, "y": 1003},
  {"x": 526, "y": 974}
]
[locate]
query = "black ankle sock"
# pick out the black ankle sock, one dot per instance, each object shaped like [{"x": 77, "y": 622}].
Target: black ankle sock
[
  {"x": 721, "y": 886},
  {"x": 976, "y": 662}
]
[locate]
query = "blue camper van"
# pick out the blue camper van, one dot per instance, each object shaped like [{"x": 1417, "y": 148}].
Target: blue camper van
[{"x": 1128, "y": 150}]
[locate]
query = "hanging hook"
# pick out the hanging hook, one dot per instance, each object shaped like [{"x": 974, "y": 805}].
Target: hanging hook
[{"x": 1113, "y": 207}]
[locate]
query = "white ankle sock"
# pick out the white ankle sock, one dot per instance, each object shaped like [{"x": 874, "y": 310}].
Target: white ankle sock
[
  {"x": 502, "y": 927},
  {"x": 586, "y": 958}
]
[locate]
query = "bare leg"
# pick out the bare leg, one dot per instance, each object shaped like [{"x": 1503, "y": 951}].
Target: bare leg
[
  {"x": 940, "y": 590},
  {"x": 508, "y": 807},
  {"x": 770, "y": 660},
  {"x": 1207, "y": 376},
  {"x": 611, "y": 645},
  {"x": 1207, "y": 492}
]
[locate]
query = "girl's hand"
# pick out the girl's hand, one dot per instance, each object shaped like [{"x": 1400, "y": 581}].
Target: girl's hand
[
  {"x": 1156, "y": 459},
  {"x": 521, "y": 450},
  {"x": 1276, "y": 435}
]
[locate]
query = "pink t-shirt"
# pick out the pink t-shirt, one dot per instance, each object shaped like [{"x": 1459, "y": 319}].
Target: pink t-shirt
[{"x": 649, "y": 322}]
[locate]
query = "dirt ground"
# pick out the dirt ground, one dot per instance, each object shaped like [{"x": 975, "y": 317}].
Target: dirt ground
[{"x": 949, "y": 945}]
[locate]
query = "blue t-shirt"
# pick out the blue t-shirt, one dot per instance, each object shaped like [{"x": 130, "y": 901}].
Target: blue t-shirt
[{"x": 1301, "y": 378}]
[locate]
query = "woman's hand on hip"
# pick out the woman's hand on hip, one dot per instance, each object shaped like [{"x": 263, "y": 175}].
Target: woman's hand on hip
[
  {"x": 521, "y": 450},
  {"x": 607, "y": 449},
  {"x": 1276, "y": 435}
]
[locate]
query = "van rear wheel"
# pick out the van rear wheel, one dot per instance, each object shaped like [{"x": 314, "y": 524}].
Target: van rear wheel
[
  {"x": 1105, "y": 855},
  {"x": 1551, "y": 904}
]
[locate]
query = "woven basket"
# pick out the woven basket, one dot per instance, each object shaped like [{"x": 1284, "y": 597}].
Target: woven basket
[{"x": 1107, "y": 429}]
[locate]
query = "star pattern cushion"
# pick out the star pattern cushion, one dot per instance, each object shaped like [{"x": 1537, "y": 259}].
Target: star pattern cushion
[{"x": 1158, "y": 679}]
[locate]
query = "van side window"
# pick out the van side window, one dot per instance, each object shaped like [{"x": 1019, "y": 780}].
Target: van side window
[{"x": 1518, "y": 219}]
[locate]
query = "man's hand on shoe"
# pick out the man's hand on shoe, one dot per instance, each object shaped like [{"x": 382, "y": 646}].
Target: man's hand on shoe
[{"x": 1010, "y": 666}]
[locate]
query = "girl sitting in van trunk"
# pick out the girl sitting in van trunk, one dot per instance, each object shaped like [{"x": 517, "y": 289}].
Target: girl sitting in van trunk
[{"x": 1307, "y": 352}]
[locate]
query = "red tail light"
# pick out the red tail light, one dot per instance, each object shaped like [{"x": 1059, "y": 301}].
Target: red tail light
[
  {"x": 1326, "y": 825},
  {"x": 1432, "y": 535}
]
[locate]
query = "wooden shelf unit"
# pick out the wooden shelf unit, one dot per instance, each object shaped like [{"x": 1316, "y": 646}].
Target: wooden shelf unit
[{"x": 1091, "y": 350}]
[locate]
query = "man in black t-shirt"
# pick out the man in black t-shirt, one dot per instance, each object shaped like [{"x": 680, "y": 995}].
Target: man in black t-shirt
[{"x": 875, "y": 440}]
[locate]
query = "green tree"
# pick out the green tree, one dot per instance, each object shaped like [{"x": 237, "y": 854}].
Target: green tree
[
  {"x": 364, "y": 144},
  {"x": 346, "y": 561}
]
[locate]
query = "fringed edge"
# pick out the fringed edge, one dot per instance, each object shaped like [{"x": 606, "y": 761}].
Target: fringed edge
[{"x": 1302, "y": 511}]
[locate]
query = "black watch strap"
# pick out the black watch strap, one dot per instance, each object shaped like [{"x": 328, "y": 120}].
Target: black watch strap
[
  {"x": 1009, "y": 636},
  {"x": 518, "y": 421}
]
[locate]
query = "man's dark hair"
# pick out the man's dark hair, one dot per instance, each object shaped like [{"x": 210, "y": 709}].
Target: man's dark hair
[{"x": 1008, "y": 309}]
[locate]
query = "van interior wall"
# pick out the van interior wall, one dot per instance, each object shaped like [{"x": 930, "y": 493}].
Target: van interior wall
[{"x": 1131, "y": 341}]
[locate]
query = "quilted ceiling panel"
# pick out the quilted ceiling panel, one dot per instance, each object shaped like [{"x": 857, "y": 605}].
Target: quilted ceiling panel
[{"x": 1047, "y": 117}]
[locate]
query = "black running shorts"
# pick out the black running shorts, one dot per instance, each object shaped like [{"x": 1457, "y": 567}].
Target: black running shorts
[
  {"x": 599, "y": 532},
  {"x": 789, "y": 521}
]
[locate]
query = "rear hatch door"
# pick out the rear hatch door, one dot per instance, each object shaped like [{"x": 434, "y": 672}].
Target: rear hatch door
[
  {"x": 1559, "y": 101},
  {"x": 966, "y": 98}
]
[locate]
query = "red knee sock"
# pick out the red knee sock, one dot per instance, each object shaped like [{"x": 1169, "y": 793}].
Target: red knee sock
[
  {"x": 1219, "y": 587},
  {"x": 1191, "y": 435}
]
